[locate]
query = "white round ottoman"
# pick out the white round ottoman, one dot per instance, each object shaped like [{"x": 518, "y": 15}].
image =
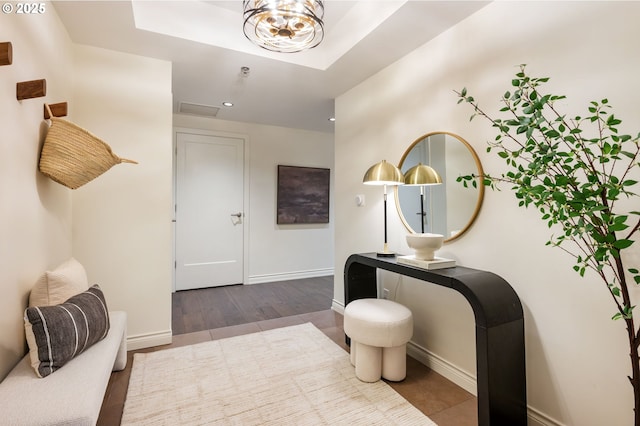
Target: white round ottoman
[{"x": 379, "y": 330}]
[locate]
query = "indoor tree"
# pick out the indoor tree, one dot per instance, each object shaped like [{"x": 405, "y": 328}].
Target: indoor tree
[{"x": 576, "y": 171}]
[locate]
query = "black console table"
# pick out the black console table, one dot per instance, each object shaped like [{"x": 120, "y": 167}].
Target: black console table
[{"x": 500, "y": 355}]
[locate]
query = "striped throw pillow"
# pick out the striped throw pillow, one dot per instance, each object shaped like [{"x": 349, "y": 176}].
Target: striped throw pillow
[{"x": 56, "y": 334}]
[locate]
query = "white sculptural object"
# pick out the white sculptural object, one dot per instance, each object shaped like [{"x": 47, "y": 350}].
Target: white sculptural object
[{"x": 425, "y": 245}]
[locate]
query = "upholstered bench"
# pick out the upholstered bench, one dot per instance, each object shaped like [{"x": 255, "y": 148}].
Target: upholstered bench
[
  {"x": 379, "y": 330},
  {"x": 71, "y": 395}
]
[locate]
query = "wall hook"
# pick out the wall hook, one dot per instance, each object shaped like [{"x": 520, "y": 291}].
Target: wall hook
[
  {"x": 31, "y": 89},
  {"x": 6, "y": 53},
  {"x": 57, "y": 110}
]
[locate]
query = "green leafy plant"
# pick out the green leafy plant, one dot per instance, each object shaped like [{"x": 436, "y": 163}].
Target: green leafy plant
[{"x": 575, "y": 171}]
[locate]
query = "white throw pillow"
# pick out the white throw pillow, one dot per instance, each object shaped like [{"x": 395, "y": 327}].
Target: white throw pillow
[{"x": 55, "y": 287}]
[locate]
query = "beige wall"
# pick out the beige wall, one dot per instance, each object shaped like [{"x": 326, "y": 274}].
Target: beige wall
[
  {"x": 118, "y": 225},
  {"x": 122, "y": 220},
  {"x": 35, "y": 212},
  {"x": 278, "y": 252},
  {"x": 576, "y": 356}
]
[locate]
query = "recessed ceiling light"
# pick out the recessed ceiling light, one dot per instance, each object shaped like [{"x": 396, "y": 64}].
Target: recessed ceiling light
[
  {"x": 332, "y": 119},
  {"x": 227, "y": 104}
]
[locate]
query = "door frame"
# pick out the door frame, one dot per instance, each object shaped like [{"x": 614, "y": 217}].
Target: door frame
[{"x": 245, "y": 196}]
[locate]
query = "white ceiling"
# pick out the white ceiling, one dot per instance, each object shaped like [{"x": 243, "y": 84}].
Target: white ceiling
[{"x": 206, "y": 45}]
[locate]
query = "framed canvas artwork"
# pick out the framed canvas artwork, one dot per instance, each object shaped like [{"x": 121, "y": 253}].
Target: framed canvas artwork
[{"x": 303, "y": 195}]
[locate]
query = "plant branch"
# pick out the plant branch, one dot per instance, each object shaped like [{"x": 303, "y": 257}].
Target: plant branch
[{"x": 575, "y": 182}]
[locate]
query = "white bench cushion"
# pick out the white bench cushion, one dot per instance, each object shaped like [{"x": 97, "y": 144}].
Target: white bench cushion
[{"x": 73, "y": 394}]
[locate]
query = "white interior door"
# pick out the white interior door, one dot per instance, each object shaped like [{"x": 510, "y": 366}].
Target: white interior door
[{"x": 209, "y": 228}]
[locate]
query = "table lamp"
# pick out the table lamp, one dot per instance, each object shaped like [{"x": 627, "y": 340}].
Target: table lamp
[
  {"x": 384, "y": 174},
  {"x": 421, "y": 175}
]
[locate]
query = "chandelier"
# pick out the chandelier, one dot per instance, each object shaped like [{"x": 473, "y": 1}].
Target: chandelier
[{"x": 286, "y": 26}]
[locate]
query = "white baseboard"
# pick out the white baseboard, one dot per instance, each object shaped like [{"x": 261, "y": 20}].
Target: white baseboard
[
  {"x": 149, "y": 340},
  {"x": 536, "y": 418},
  {"x": 468, "y": 381},
  {"x": 443, "y": 367},
  {"x": 337, "y": 306},
  {"x": 286, "y": 276}
]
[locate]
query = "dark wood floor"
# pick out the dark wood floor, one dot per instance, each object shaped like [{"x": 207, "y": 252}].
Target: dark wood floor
[
  {"x": 216, "y": 313},
  {"x": 209, "y": 308}
]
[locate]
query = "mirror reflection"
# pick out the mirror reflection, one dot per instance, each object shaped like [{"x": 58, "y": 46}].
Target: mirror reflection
[{"x": 450, "y": 208}]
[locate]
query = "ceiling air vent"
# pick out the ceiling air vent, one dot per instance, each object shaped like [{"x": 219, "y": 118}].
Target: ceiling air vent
[{"x": 197, "y": 109}]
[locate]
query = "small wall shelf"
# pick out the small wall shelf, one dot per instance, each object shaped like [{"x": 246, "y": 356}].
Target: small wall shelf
[{"x": 31, "y": 89}]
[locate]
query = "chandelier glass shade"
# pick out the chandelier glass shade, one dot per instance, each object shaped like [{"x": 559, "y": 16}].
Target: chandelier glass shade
[{"x": 286, "y": 26}]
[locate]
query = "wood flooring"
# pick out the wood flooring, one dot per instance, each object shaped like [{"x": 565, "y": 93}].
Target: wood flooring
[
  {"x": 209, "y": 308},
  {"x": 216, "y": 313}
]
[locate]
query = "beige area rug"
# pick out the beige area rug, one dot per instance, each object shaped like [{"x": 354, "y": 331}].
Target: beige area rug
[{"x": 287, "y": 376}]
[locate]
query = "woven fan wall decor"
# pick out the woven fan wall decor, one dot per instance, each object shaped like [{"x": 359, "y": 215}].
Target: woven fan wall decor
[{"x": 73, "y": 156}]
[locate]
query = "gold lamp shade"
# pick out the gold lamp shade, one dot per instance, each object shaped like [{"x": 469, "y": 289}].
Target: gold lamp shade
[
  {"x": 383, "y": 173},
  {"x": 422, "y": 175}
]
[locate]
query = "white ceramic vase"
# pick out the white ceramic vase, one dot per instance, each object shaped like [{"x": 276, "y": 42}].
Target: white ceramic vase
[{"x": 425, "y": 245}]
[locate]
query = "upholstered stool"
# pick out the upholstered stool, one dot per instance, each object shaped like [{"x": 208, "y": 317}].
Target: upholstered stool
[{"x": 379, "y": 330}]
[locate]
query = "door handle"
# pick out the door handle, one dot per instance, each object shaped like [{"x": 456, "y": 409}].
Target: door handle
[{"x": 238, "y": 215}]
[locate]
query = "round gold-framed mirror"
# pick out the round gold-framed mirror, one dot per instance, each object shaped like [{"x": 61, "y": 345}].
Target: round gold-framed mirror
[{"x": 449, "y": 208}]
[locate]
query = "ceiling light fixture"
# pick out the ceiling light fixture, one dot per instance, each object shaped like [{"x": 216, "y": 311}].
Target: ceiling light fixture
[
  {"x": 285, "y": 26},
  {"x": 227, "y": 104}
]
